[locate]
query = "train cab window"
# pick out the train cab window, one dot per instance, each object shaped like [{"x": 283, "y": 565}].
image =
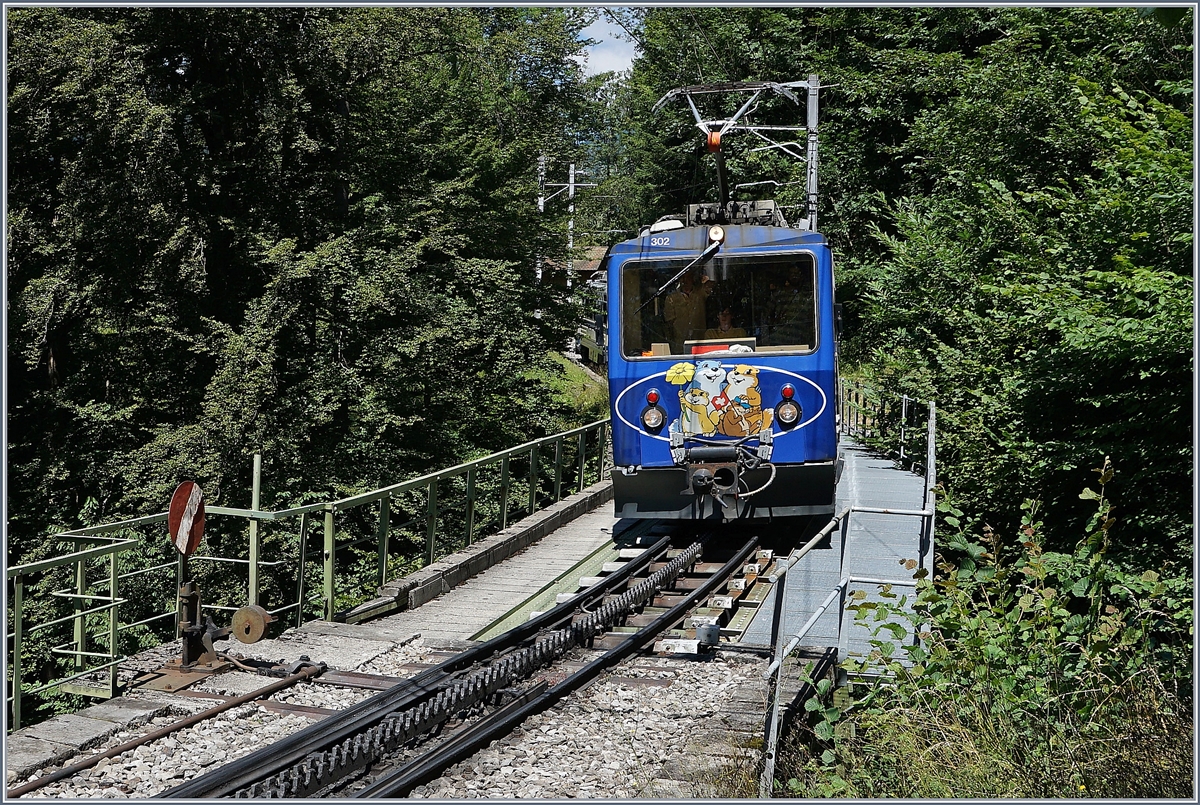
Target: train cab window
[{"x": 772, "y": 299}]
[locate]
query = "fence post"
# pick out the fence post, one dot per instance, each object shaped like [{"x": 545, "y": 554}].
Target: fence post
[
  {"x": 858, "y": 411},
  {"x": 930, "y": 481},
  {"x": 602, "y": 438},
  {"x": 766, "y": 783},
  {"x": 558, "y": 449},
  {"x": 845, "y": 392},
  {"x": 327, "y": 556},
  {"x": 18, "y": 605},
  {"x": 180, "y": 569},
  {"x": 582, "y": 458},
  {"x": 504, "y": 484},
  {"x": 903, "y": 424},
  {"x": 113, "y": 623},
  {"x": 81, "y": 588},
  {"x": 300, "y": 574},
  {"x": 385, "y": 513},
  {"x": 254, "y": 541},
  {"x": 533, "y": 479},
  {"x": 431, "y": 521},
  {"x": 470, "y": 505},
  {"x": 843, "y": 574}
]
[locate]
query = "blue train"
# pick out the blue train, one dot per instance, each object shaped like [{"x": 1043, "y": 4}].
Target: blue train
[{"x": 722, "y": 353}]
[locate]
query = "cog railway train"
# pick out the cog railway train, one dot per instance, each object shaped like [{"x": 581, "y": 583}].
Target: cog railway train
[{"x": 722, "y": 348}]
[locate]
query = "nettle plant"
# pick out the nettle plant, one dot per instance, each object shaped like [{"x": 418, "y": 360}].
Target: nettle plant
[{"x": 1052, "y": 649}]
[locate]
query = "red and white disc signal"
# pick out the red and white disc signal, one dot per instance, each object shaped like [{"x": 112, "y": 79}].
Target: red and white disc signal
[{"x": 185, "y": 517}]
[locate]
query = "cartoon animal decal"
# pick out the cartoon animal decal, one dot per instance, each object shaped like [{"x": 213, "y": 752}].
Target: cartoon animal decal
[
  {"x": 711, "y": 377},
  {"x": 713, "y": 400},
  {"x": 743, "y": 381},
  {"x": 745, "y": 411},
  {"x": 733, "y": 419},
  {"x": 695, "y": 416}
]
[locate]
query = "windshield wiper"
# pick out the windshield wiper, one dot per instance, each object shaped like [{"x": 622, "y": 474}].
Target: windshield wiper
[{"x": 700, "y": 260}]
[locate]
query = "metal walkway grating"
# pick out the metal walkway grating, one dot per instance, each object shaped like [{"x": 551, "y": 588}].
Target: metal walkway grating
[{"x": 877, "y": 545}]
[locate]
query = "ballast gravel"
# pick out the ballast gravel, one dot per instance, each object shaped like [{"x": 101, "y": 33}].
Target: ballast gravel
[{"x": 615, "y": 738}]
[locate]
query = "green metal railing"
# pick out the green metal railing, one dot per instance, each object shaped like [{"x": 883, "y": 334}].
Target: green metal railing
[
  {"x": 131, "y": 565},
  {"x": 894, "y": 424}
]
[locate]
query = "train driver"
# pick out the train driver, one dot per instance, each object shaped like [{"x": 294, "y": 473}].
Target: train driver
[
  {"x": 724, "y": 328},
  {"x": 684, "y": 309}
]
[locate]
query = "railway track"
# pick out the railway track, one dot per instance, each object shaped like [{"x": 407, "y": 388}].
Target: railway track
[
  {"x": 407, "y": 734},
  {"x": 484, "y": 691}
]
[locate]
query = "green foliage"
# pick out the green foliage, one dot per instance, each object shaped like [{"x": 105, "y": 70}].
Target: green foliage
[
  {"x": 309, "y": 232},
  {"x": 1054, "y": 323},
  {"x": 301, "y": 231},
  {"x": 577, "y": 391},
  {"x": 1009, "y": 193},
  {"x": 1050, "y": 675}
]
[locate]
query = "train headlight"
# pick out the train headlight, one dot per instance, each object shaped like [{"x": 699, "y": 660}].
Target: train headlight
[
  {"x": 716, "y": 234},
  {"x": 788, "y": 413},
  {"x": 653, "y": 418}
]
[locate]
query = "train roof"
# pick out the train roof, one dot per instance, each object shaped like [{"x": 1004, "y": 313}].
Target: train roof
[{"x": 740, "y": 237}]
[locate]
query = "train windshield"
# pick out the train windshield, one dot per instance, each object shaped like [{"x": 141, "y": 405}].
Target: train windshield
[{"x": 764, "y": 303}]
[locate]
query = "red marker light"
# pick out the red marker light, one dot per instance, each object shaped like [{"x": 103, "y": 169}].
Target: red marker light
[
  {"x": 652, "y": 397},
  {"x": 788, "y": 391}
]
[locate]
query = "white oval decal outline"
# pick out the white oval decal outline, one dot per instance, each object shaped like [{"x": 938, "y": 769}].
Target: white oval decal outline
[{"x": 775, "y": 434}]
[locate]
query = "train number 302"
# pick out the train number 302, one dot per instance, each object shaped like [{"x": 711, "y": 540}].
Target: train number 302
[{"x": 660, "y": 241}]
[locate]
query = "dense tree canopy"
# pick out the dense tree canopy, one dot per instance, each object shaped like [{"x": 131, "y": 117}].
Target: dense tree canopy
[
  {"x": 1009, "y": 194},
  {"x": 310, "y": 232},
  {"x": 306, "y": 231}
]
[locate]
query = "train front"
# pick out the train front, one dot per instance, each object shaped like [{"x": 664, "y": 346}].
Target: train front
[{"x": 722, "y": 373}]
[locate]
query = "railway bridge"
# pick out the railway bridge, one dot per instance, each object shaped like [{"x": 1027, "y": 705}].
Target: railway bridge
[{"x": 505, "y": 541}]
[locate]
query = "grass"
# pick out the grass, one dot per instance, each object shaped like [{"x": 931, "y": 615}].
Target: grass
[
  {"x": 942, "y": 749},
  {"x": 579, "y": 391}
]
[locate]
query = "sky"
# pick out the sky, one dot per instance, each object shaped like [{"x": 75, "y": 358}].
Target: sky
[{"x": 610, "y": 53}]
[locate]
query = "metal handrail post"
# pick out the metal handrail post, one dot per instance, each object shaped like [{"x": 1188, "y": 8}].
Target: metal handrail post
[
  {"x": 18, "y": 614},
  {"x": 381, "y": 534},
  {"x": 255, "y": 486},
  {"x": 431, "y": 517},
  {"x": 328, "y": 564},
  {"x": 766, "y": 784},
  {"x": 504, "y": 484},
  {"x": 558, "y": 449},
  {"x": 113, "y": 624},
  {"x": 81, "y": 588},
  {"x": 930, "y": 483},
  {"x": 533, "y": 479},
  {"x": 600, "y": 448},
  {"x": 470, "y": 517},
  {"x": 858, "y": 409},
  {"x": 844, "y": 574},
  {"x": 582, "y": 459},
  {"x": 300, "y": 573}
]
